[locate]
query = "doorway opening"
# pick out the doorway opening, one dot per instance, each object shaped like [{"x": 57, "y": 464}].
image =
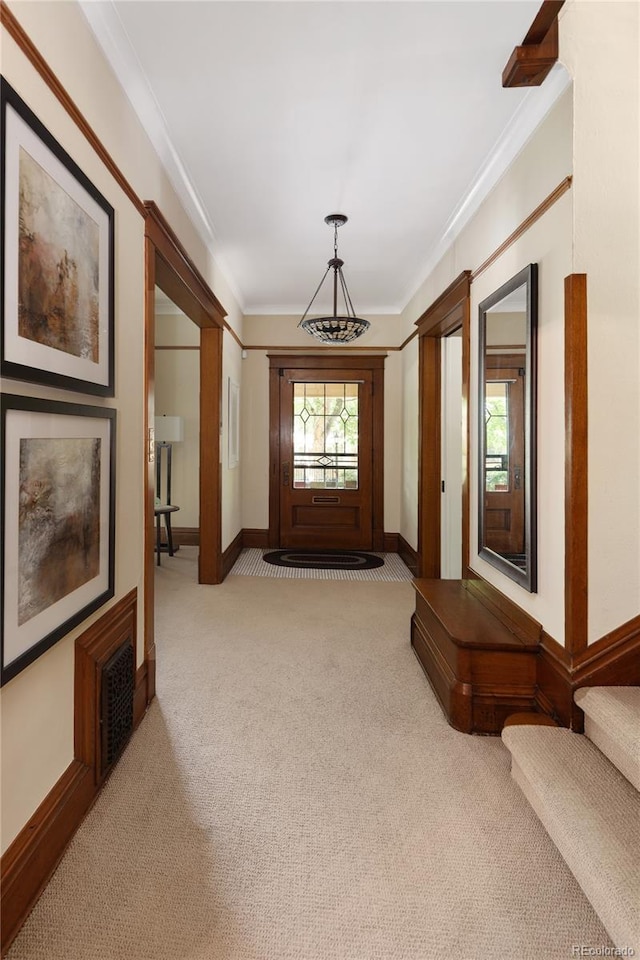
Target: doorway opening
[
  {"x": 451, "y": 455},
  {"x": 169, "y": 267},
  {"x": 448, "y": 314}
]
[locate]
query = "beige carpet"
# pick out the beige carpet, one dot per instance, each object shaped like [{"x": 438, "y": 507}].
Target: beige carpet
[{"x": 294, "y": 793}]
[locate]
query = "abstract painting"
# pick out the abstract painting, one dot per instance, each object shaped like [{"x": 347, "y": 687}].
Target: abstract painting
[
  {"x": 58, "y": 521},
  {"x": 57, "y": 264}
]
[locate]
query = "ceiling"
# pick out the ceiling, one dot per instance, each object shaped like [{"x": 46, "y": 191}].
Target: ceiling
[{"x": 270, "y": 115}]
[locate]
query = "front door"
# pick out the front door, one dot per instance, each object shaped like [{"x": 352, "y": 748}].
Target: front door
[{"x": 326, "y": 450}]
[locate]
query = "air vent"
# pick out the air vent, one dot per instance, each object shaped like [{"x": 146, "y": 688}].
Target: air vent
[{"x": 116, "y": 704}]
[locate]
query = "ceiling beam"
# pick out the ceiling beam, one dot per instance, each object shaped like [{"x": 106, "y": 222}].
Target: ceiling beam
[{"x": 530, "y": 62}]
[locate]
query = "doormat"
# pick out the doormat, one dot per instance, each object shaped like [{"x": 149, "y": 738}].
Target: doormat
[{"x": 324, "y": 559}]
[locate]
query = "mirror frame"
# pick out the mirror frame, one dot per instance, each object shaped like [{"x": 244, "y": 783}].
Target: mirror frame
[{"x": 527, "y": 578}]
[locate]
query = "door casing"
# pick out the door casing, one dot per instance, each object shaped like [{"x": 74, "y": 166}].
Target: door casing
[
  {"x": 448, "y": 313},
  {"x": 168, "y": 266},
  {"x": 322, "y": 364}
]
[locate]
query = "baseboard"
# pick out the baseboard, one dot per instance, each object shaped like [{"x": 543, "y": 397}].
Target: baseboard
[
  {"x": 140, "y": 703},
  {"x": 33, "y": 856},
  {"x": 613, "y": 660},
  {"x": 408, "y": 555},
  {"x": 254, "y": 537},
  {"x": 231, "y": 554},
  {"x": 186, "y": 536}
]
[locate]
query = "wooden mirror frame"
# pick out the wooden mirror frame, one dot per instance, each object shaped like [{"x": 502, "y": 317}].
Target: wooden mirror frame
[{"x": 528, "y": 577}]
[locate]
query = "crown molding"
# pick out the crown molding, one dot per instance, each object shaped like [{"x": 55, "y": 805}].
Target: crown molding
[
  {"x": 107, "y": 27},
  {"x": 526, "y": 119}
]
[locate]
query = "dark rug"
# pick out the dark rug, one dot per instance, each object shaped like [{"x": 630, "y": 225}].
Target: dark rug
[{"x": 324, "y": 559}]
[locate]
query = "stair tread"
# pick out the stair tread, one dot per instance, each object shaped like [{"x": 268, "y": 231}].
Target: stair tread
[
  {"x": 591, "y": 812},
  {"x": 612, "y": 722}
]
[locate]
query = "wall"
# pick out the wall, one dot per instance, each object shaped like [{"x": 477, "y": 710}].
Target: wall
[
  {"x": 599, "y": 45},
  {"x": 543, "y": 163},
  {"x": 178, "y": 394},
  {"x": 281, "y": 333},
  {"x": 36, "y": 707}
]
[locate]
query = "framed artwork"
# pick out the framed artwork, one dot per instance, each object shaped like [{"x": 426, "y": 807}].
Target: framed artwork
[
  {"x": 57, "y": 492},
  {"x": 234, "y": 424},
  {"x": 57, "y": 261}
]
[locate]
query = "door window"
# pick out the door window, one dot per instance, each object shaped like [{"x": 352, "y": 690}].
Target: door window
[{"x": 325, "y": 436}]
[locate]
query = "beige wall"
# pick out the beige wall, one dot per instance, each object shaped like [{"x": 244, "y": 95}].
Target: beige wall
[
  {"x": 545, "y": 160},
  {"x": 599, "y": 44},
  {"x": 36, "y": 707},
  {"x": 177, "y": 393}
]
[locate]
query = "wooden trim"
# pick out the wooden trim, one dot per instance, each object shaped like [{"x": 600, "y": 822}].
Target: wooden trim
[
  {"x": 231, "y": 554},
  {"x": 438, "y": 319},
  {"x": 157, "y": 347},
  {"x": 178, "y": 276},
  {"x": 33, "y": 55},
  {"x": 140, "y": 694},
  {"x": 30, "y": 861},
  {"x": 407, "y": 554},
  {"x": 621, "y": 641},
  {"x": 229, "y": 329},
  {"x": 614, "y": 660},
  {"x": 542, "y": 208},
  {"x": 377, "y": 492},
  {"x": 530, "y": 64},
  {"x": 543, "y": 20},
  {"x": 210, "y": 560},
  {"x": 149, "y": 467},
  {"x": 448, "y": 313},
  {"x": 253, "y": 537},
  {"x": 186, "y": 536},
  {"x": 576, "y": 491},
  {"x": 323, "y": 362},
  {"x": 407, "y": 341},
  {"x": 429, "y": 471},
  {"x": 390, "y": 542},
  {"x": 92, "y": 649},
  {"x": 33, "y": 856}
]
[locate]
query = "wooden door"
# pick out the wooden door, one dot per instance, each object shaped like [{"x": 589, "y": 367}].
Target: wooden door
[
  {"x": 326, "y": 458},
  {"x": 504, "y": 463}
]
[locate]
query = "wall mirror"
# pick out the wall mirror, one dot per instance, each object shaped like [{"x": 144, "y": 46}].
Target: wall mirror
[{"x": 507, "y": 428}]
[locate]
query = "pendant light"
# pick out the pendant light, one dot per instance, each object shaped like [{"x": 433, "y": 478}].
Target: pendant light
[{"x": 336, "y": 328}]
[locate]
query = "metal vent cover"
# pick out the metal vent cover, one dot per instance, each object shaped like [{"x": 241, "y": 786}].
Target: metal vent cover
[{"x": 116, "y": 704}]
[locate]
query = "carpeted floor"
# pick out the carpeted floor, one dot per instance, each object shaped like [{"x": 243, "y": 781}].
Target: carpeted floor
[{"x": 294, "y": 793}]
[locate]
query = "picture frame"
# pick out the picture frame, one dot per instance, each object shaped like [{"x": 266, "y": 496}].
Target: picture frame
[
  {"x": 234, "y": 424},
  {"x": 57, "y": 261},
  {"x": 57, "y": 495}
]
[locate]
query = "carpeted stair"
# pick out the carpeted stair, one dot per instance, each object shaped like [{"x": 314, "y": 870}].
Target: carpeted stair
[{"x": 589, "y": 803}]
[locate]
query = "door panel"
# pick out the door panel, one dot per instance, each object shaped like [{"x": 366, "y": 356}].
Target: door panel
[{"x": 326, "y": 458}]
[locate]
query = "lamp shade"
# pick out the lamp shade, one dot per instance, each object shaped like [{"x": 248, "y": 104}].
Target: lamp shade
[{"x": 169, "y": 429}]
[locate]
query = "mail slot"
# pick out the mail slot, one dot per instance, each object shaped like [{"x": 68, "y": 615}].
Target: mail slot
[{"x": 325, "y": 499}]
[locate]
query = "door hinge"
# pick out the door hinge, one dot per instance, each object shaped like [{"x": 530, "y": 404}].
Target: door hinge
[{"x": 442, "y": 483}]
